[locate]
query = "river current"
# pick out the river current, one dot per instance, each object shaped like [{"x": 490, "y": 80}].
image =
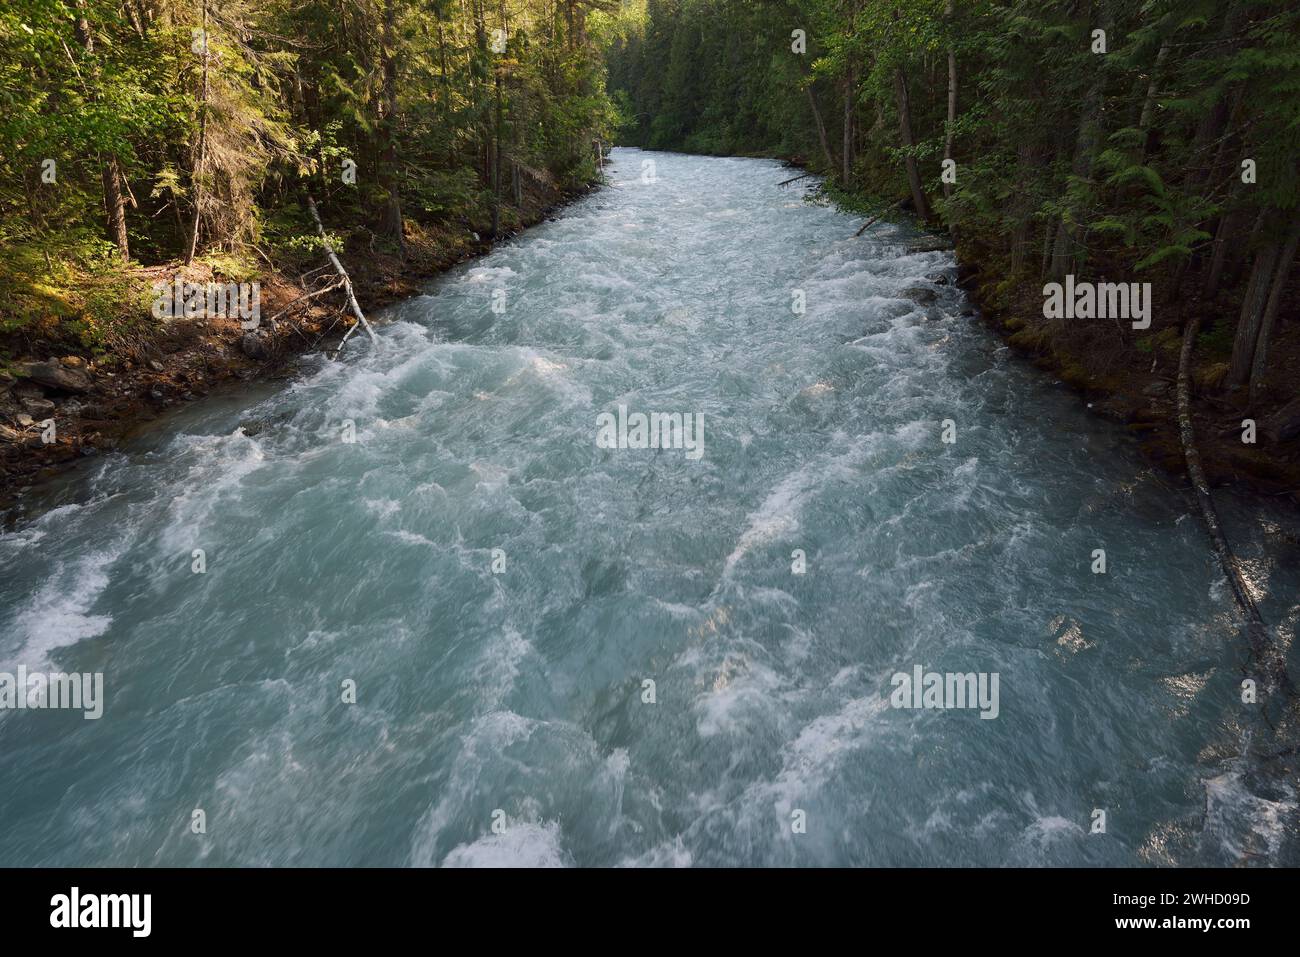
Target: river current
[{"x": 568, "y": 654}]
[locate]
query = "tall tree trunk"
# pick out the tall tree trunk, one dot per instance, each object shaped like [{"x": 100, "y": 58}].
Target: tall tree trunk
[
  {"x": 1252, "y": 314},
  {"x": 1230, "y": 142},
  {"x": 391, "y": 221},
  {"x": 445, "y": 98},
  {"x": 905, "y": 133},
  {"x": 1209, "y": 130},
  {"x": 847, "y": 153},
  {"x": 496, "y": 157},
  {"x": 1227, "y": 227},
  {"x": 1065, "y": 247},
  {"x": 821, "y": 128},
  {"x": 1280, "y": 276},
  {"x": 197, "y": 175},
  {"x": 476, "y": 76},
  {"x": 114, "y": 203},
  {"x": 1149, "y": 103},
  {"x": 952, "y": 100},
  {"x": 951, "y": 129},
  {"x": 1022, "y": 234}
]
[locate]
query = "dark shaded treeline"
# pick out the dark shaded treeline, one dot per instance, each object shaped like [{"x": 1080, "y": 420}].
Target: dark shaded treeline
[{"x": 1162, "y": 149}]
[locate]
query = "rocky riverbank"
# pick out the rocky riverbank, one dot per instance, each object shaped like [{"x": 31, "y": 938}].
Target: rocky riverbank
[{"x": 61, "y": 408}]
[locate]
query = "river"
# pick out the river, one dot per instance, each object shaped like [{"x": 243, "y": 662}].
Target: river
[{"x": 569, "y": 654}]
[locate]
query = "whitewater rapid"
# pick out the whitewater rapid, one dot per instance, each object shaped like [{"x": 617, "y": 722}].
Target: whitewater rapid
[{"x": 569, "y": 654}]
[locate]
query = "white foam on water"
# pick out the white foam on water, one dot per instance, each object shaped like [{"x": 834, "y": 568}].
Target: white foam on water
[
  {"x": 1246, "y": 826},
  {"x": 521, "y": 845},
  {"x": 482, "y": 743},
  {"x": 489, "y": 273},
  {"x": 671, "y": 853},
  {"x": 411, "y": 538},
  {"x": 59, "y": 614},
  {"x": 221, "y": 463},
  {"x": 382, "y": 507},
  {"x": 25, "y": 537},
  {"x": 821, "y": 745},
  {"x": 739, "y": 687},
  {"x": 552, "y": 373},
  {"x": 499, "y": 668},
  {"x": 1047, "y": 830},
  {"x": 779, "y": 515}
]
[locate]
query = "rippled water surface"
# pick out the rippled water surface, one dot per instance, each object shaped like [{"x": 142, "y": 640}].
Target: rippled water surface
[{"x": 519, "y": 696}]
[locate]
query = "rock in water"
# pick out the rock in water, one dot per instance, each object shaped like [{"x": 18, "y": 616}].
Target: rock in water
[{"x": 920, "y": 294}]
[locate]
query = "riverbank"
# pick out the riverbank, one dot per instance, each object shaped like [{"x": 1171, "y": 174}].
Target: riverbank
[
  {"x": 98, "y": 399},
  {"x": 1128, "y": 376}
]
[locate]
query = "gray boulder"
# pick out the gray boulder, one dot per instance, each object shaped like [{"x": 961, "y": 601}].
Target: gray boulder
[
  {"x": 52, "y": 375},
  {"x": 41, "y": 407},
  {"x": 920, "y": 294},
  {"x": 256, "y": 345}
]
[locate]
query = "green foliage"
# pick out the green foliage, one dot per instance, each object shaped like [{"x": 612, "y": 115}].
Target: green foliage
[{"x": 226, "y": 136}]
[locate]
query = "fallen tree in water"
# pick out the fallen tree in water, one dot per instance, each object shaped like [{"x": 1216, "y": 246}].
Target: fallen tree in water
[
  {"x": 889, "y": 209},
  {"x": 1264, "y": 652}
]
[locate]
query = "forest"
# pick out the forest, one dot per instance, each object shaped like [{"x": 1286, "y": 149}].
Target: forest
[
  {"x": 152, "y": 142},
  {"x": 145, "y": 133},
  {"x": 1124, "y": 141},
  {"x": 356, "y": 506},
  {"x": 147, "y": 141}
]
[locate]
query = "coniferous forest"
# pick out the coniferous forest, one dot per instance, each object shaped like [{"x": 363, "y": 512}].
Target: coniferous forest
[
  {"x": 1121, "y": 141},
  {"x": 1151, "y": 142},
  {"x": 639, "y": 433}
]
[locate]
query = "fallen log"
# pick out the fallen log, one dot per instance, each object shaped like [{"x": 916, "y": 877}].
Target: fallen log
[
  {"x": 878, "y": 215},
  {"x": 794, "y": 179},
  {"x": 343, "y": 275},
  {"x": 1265, "y": 654}
]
